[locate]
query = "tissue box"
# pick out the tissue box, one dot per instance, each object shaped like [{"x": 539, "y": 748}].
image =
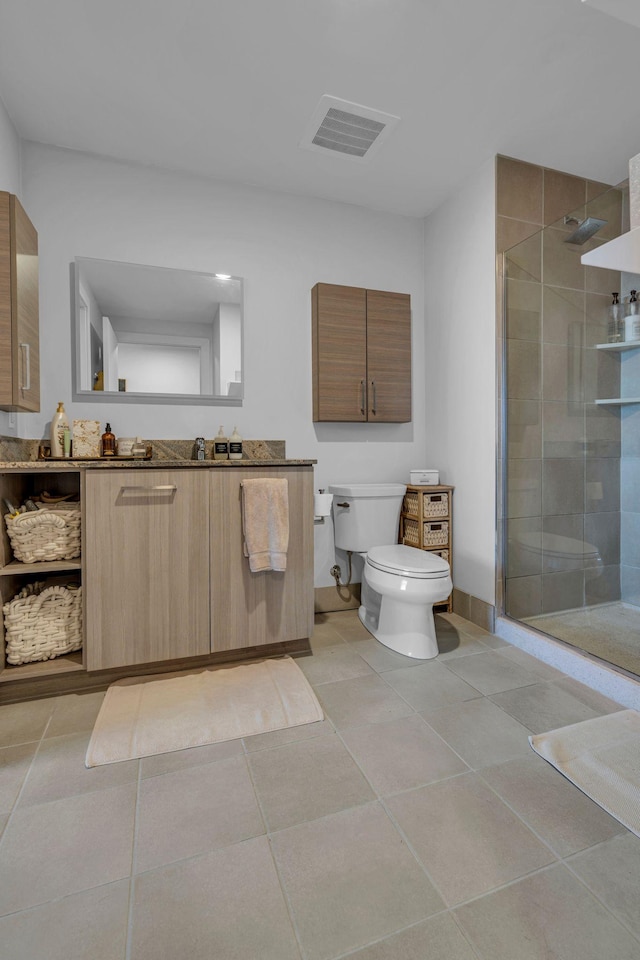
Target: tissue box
[
  {"x": 424, "y": 478},
  {"x": 86, "y": 438}
]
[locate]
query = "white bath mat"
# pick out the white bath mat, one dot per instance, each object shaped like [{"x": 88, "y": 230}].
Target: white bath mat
[
  {"x": 142, "y": 716},
  {"x": 602, "y": 757}
]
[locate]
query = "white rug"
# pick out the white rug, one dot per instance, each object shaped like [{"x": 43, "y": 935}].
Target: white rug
[
  {"x": 142, "y": 716},
  {"x": 602, "y": 757}
]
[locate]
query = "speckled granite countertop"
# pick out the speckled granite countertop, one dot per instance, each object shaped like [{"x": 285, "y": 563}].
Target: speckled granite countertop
[
  {"x": 55, "y": 466},
  {"x": 17, "y": 454}
]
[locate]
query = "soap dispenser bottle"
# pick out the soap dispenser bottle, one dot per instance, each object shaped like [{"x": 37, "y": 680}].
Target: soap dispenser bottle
[
  {"x": 59, "y": 423},
  {"x": 615, "y": 326},
  {"x": 221, "y": 446},
  {"x": 235, "y": 445},
  {"x": 108, "y": 445},
  {"x": 632, "y": 319}
]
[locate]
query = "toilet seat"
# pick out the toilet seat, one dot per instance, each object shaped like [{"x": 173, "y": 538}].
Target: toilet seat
[
  {"x": 403, "y": 561},
  {"x": 559, "y": 547}
]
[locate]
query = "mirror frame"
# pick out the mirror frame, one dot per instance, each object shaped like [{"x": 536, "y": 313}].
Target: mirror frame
[{"x": 101, "y": 396}]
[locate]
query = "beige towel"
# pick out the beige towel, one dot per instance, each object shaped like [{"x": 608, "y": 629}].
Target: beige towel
[{"x": 265, "y": 523}]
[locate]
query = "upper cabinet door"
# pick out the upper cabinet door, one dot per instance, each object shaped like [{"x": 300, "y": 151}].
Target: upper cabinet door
[
  {"x": 339, "y": 348},
  {"x": 19, "y": 337},
  {"x": 361, "y": 346},
  {"x": 388, "y": 356}
]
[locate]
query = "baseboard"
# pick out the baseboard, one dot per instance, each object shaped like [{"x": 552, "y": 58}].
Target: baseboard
[
  {"x": 330, "y": 599},
  {"x": 471, "y": 608}
]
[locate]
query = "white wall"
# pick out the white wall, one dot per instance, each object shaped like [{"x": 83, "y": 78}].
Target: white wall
[
  {"x": 83, "y": 206},
  {"x": 9, "y": 181},
  {"x": 460, "y": 368}
]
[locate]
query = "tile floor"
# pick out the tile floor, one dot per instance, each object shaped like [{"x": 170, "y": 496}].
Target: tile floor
[
  {"x": 610, "y": 631},
  {"x": 414, "y": 822}
]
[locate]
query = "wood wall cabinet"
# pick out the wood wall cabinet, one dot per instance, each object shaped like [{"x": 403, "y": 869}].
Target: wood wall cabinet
[
  {"x": 426, "y": 522},
  {"x": 19, "y": 331},
  {"x": 146, "y": 553},
  {"x": 361, "y": 354}
]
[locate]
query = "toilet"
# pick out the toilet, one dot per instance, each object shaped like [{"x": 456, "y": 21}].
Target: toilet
[
  {"x": 555, "y": 554},
  {"x": 400, "y": 584}
]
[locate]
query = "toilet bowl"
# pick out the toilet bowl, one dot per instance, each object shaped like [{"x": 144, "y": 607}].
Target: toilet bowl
[{"x": 400, "y": 584}]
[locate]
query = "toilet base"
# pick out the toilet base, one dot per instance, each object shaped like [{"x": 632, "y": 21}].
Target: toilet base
[{"x": 416, "y": 636}]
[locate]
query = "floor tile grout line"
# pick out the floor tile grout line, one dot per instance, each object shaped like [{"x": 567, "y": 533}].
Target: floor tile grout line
[
  {"x": 583, "y": 882},
  {"x": 268, "y": 834},
  {"x": 132, "y": 874},
  {"x": 16, "y": 801}
]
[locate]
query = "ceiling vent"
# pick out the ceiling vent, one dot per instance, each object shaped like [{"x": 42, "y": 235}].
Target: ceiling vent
[{"x": 348, "y": 129}]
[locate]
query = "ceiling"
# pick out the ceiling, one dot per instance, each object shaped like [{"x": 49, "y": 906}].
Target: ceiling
[{"x": 226, "y": 88}]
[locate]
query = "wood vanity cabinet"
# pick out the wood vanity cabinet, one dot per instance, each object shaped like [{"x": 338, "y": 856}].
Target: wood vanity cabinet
[
  {"x": 361, "y": 354},
  {"x": 19, "y": 332},
  {"x": 253, "y": 609},
  {"x": 146, "y": 559},
  {"x": 165, "y": 573}
]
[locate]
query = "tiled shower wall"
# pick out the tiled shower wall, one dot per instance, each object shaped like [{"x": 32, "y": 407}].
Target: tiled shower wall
[{"x": 562, "y": 452}]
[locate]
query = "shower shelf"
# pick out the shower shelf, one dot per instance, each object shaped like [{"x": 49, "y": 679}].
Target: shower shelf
[
  {"x": 625, "y": 345},
  {"x": 617, "y": 400}
]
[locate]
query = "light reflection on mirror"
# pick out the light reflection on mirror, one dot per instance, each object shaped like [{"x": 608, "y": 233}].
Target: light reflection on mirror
[{"x": 156, "y": 334}]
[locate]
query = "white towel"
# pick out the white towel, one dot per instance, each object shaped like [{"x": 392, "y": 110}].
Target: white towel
[{"x": 265, "y": 523}]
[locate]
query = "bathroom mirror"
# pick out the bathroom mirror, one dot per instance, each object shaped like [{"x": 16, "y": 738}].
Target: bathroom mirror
[{"x": 155, "y": 334}]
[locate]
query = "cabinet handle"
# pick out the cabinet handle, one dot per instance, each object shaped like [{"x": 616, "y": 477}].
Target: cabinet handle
[
  {"x": 27, "y": 366},
  {"x": 373, "y": 397},
  {"x": 362, "y": 397},
  {"x": 160, "y": 488}
]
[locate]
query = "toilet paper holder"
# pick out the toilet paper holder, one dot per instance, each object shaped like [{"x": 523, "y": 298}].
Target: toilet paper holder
[{"x": 321, "y": 506}]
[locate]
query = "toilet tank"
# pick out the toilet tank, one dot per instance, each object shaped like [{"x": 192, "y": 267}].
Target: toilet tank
[{"x": 370, "y": 517}]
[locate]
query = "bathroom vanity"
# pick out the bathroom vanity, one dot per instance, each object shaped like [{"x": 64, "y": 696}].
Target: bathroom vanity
[{"x": 165, "y": 583}]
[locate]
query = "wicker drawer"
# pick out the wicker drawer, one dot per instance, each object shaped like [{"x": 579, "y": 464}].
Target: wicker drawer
[
  {"x": 435, "y": 533},
  {"x": 435, "y": 505},
  {"x": 441, "y": 553},
  {"x": 410, "y": 532}
]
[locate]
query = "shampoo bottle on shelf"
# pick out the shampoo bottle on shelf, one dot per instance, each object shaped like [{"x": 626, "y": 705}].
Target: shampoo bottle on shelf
[
  {"x": 59, "y": 423},
  {"x": 221, "y": 446},
  {"x": 615, "y": 326},
  {"x": 632, "y": 319},
  {"x": 235, "y": 445}
]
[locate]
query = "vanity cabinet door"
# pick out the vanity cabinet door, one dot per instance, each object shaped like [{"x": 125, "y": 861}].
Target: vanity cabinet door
[
  {"x": 253, "y": 609},
  {"x": 146, "y": 555},
  {"x": 19, "y": 332}
]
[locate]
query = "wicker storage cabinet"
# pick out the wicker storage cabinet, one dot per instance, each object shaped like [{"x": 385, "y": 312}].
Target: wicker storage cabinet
[{"x": 426, "y": 523}]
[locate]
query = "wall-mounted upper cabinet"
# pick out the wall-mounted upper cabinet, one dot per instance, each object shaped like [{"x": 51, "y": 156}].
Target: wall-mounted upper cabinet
[
  {"x": 19, "y": 336},
  {"x": 361, "y": 348}
]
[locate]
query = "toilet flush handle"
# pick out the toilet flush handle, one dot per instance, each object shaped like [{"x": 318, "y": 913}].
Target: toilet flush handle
[{"x": 343, "y": 504}]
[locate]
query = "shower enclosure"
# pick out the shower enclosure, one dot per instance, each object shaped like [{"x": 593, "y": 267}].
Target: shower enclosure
[{"x": 570, "y": 440}]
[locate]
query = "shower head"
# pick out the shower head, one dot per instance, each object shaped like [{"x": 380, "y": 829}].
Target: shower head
[{"x": 584, "y": 230}]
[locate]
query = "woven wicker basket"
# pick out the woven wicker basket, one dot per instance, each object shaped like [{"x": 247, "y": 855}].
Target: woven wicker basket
[
  {"x": 435, "y": 504},
  {"x": 51, "y": 534},
  {"x": 436, "y": 534},
  {"x": 43, "y": 622}
]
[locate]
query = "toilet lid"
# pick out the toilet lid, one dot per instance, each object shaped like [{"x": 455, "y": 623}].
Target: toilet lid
[
  {"x": 408, "y": 562},
  {"x": 555, "y": 545}
]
